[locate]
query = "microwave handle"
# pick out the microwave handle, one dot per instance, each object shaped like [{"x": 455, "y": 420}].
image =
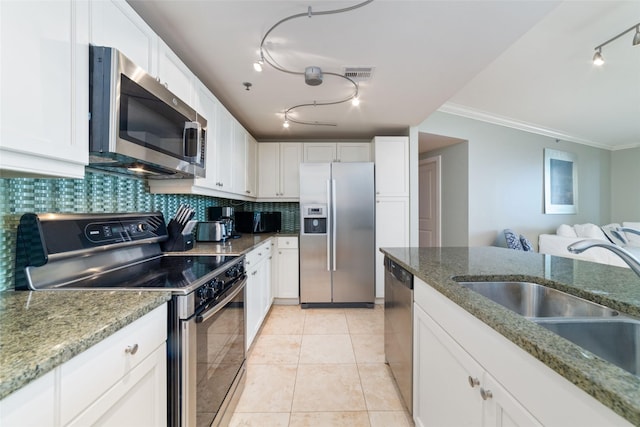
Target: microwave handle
[{"x": 192, "y": 132}]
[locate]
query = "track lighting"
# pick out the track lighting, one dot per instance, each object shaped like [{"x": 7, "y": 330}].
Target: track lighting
[
  {"x": 313, "y": 75},
  {"x": 598, "y": 59}
]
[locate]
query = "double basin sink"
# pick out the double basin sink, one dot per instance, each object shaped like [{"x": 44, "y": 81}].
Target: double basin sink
[{"x": 594, "y": 327}]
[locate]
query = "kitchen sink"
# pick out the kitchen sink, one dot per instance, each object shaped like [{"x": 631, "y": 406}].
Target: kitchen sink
[
  {"x": 533, "y": 300},
  {"x": 614, "y": 340}
]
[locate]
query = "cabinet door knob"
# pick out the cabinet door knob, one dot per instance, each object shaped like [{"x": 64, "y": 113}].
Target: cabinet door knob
[
  {"x": 473, "y": 382},
  {"x": 132, "y": 349},
  {"x": 486, "y": 394}
]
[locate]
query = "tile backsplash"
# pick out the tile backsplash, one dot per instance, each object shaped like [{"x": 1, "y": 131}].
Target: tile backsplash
[{"x": 99, "y": 192}]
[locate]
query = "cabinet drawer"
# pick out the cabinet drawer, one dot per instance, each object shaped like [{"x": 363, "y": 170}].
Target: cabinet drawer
[
  {"x": 260, "y": 253},
  {"x": 287, "y": 242},
  {"x": 88, "y": 375}
]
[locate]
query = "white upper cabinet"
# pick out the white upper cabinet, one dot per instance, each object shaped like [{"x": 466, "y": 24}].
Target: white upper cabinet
[
  {"x": 44, "y": 86},
  {"x": 224, "y": 140},
  {"x": 252, "y": 166},
  {"x": 207, "y": 105},
  {"x": 268, "y": 170},
  {"x": 279, "y": 171},
  {"x": 319, "y": 152},
  {"x": 115, "y": 24},
  {"x": 323, "y": 152},
  {"x": 353, "y": 152},
  {"x": 290, "y": 159},
  {"x": 392, "y": 166},
  {"x": 174, "y": 74},
  {"x": 239, "y": 158}
]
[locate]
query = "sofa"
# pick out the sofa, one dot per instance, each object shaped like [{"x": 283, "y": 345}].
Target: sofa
[{"x": 556, "y": 244}]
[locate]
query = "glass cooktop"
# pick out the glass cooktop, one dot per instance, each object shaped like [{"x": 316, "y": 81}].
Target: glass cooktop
[{"x": 166, "y": 272}]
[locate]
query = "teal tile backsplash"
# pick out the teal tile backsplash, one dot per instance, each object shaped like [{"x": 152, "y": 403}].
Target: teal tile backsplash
[{"x": 102, "y": 193}]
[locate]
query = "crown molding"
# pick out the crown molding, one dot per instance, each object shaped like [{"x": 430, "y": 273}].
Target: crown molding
[{"x": 483, "y": 116}]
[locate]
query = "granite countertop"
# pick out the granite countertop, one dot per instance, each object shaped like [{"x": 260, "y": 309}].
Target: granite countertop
[
  {"x": 40, "y": 330},
  {"x": 238, "y": 246},
  {"x": 616, "y": 287}
]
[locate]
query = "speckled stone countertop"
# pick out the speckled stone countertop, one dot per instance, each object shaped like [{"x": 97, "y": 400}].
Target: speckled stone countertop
[
  {"x": 238, "y": 246},
  {"x": 40, "y": 330},
  {"x": 616, "y": 287}
]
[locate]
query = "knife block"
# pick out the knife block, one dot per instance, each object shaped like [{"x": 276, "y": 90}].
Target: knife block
[{"x": 177, "y": 242}]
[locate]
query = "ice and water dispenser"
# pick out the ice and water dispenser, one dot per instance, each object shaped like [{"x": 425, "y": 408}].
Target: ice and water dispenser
[{"x": 314, "y": 219}]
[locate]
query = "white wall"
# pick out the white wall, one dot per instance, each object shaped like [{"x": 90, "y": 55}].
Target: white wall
[
  {"x": 454, "y": 195},
  {"x": 625, "y": 185},
  {"x": 505, "y": 176}
]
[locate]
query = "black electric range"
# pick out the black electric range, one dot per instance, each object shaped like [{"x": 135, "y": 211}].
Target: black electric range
[{"x": 123, "y": 252}]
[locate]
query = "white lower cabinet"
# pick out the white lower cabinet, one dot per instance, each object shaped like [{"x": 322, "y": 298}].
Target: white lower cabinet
[
  {"x": 286, "y": 272},
  {"x": 258, "y": 293},
  {"x": 138, "y": 399},
  {"x": 452, "y": 389},
  {"x": 466, "y": 373},
  {"x": 19, "y": 408},
  {"x": 121, "y": 381}
]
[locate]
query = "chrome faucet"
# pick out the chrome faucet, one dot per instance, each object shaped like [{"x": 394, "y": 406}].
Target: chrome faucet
[{"x": 583, "y": 245}]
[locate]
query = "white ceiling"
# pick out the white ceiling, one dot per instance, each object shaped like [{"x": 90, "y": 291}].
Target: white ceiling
[{"x": 521, "y": 63}]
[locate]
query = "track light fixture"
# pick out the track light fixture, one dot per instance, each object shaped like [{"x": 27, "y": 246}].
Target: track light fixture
[
  {"x": 598, "y": 59},
  {"x": 313, "y": 75}
]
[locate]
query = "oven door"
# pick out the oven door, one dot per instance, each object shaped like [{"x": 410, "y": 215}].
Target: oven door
[{"x": 213, "y": 355}]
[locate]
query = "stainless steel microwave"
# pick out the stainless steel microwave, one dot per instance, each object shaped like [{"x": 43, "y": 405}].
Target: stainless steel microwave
[{"x": 137, "y": 126}]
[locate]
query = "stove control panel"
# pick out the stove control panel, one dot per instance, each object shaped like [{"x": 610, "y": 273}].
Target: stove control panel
[
  {"x": 49, "y": 234},
  {"x": 120, "y": 231},
  {"x": 216, "y": 288}
]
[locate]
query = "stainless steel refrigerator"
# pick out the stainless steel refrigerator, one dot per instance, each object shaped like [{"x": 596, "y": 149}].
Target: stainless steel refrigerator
[{"x": 337, "y": 240}]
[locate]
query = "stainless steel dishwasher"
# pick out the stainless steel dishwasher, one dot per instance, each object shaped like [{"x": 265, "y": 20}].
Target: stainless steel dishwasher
[{"x": 398, "y": 327}]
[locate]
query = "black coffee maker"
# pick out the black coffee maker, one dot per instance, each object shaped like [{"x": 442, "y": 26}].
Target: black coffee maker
[{"x": 223, "y": 214}]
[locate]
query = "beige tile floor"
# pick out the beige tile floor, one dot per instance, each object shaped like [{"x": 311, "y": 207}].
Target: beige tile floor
[{"x": 320, "y": 367}]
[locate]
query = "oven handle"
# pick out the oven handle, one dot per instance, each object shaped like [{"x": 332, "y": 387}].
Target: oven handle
[{"x": 203, "y": 317}]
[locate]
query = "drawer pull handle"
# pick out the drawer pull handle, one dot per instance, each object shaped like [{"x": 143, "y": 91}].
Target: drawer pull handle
[
  {"x": 473, "y": 381},
  {"x": 132, "y": 349},
  {"x": 486, "y": 394}
]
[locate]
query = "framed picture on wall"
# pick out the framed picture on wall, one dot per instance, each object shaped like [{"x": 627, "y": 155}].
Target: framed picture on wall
[{"x": 560, "y": 182}]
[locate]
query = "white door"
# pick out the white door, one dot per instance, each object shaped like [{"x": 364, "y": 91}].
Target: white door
[{"x": 429, "y": 202}]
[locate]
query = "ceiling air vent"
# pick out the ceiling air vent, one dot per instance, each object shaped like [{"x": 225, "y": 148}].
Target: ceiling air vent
[{"x": 358, "y": 74}]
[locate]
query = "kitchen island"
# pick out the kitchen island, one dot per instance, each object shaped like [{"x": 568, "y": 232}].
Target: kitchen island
[{"x": 615, "y": 287}]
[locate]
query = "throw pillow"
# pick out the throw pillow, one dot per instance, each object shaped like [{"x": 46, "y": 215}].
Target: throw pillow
[
  {"x": 589, "y": 231},
  {"x": 566, "y": 231},
  {"x": 526, "y": 244},
  {"x": 633, "y": 238},
  {"x": 513, "y": 240}
]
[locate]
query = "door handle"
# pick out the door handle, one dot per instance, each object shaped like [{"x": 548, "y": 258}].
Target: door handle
[{"x": 335, "y": 221}]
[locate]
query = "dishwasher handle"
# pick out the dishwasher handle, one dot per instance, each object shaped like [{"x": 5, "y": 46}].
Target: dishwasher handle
[{"x": 398, "y": 273}]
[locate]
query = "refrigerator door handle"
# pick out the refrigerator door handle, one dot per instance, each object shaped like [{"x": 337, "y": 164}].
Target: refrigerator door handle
[
  {"x": 328, "y": 231},
  {"x": 334, "y": 224}
]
